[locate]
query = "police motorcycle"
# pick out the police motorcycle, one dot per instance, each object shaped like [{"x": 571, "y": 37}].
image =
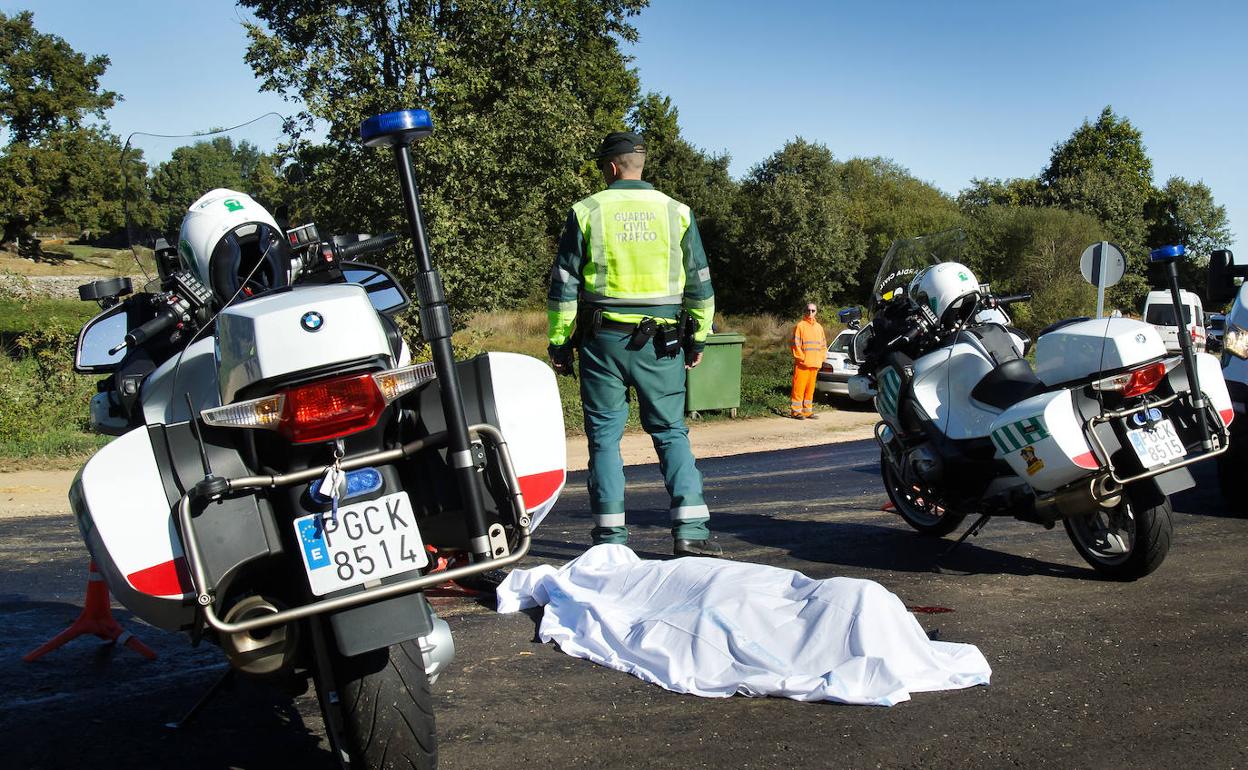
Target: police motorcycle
[
  {"x": 281, "y": 468},
  {"x": 1097, "y": 436}
]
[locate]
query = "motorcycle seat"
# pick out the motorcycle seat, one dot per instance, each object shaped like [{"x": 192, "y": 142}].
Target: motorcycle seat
[{"x": 1007, "y": 384}]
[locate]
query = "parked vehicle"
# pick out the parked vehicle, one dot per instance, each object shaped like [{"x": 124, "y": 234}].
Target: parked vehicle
[
  {"x": 1224, "y": 274},
  {"x": 1097, "y": 436},
  {"x": 833, "y": 376},
  {"x": 1159, "y": 311},
  {"x": 1215, "y": 327},
  {"x": 282, "y": 468}
]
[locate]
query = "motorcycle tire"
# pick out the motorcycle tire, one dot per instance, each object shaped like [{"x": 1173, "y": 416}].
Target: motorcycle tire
[
  {"x": 386, "y": 708},
  {"x": 916, "y": 506},
  {"x": 1143, "y": 516}
]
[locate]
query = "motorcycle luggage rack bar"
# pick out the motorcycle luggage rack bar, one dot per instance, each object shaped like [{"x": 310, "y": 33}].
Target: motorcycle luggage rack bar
[
  {"x": 1108, "y": 465},
  {"x": 204, "y": 592}
]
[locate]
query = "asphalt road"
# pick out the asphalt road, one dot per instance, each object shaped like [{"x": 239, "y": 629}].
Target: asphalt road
[{"x": 1087, "y": 673}]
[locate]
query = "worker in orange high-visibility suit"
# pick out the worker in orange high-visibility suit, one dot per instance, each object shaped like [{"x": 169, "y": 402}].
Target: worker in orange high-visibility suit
[{"x": 810, "y": 345}]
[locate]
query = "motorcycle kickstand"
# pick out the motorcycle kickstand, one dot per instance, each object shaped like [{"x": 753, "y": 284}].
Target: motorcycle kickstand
[
  {"x": 224, "y": 680},
  {"x": 973, "y": 530}
]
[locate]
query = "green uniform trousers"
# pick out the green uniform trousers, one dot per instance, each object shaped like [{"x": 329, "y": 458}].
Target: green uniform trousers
[{"x": 608, "y": 369}]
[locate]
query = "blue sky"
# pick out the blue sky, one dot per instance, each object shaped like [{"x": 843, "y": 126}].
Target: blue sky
[{"x": 950, "y": 90}]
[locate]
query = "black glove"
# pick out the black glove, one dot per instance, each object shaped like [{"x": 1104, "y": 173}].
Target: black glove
[{"x": 562, "y": 358}]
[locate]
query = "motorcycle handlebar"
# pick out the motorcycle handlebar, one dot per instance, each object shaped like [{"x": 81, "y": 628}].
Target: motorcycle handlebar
[
  {"x": 368, "y": 245},
  {"x": 165, "y": 320},
  {"x": 1009, "y": 298}
]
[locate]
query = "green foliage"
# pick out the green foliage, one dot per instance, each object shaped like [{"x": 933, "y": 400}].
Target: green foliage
[
  {"x": 690, "y": 175},
  {"x": 1006, "y": 192},
  {"x": 1026, "y": 249},
  {"x": 43, "y": 404},
  {"x": 520, "y": 93},
  {"x": 1185, "y": 213},
  {"x": 1103, "y": 170},
  {"x": 795, "y": 243},
  {"x": 45, "y": 85},
  {"x": 195, "y": 169},
  {"x": 884, "y": 203}
]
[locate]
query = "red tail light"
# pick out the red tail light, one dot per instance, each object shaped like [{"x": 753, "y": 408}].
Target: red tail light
[
  {"x": 330, "y": 409},
  {"x": 1144, "y": 380}
]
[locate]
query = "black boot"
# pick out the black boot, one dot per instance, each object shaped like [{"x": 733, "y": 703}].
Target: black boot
[{"x": 682, "y": 547}]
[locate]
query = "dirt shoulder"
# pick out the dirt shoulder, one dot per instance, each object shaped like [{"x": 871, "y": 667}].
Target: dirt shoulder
[{"x": 44, "y": 492}]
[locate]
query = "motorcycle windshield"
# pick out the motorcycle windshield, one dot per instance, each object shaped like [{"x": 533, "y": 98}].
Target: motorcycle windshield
[
  {"x": 908, "y": 257},
  {"x": 168, "y": 168}
]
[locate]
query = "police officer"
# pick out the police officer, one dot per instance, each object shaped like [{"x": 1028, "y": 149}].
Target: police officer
[{"x": 631, "y": 281}]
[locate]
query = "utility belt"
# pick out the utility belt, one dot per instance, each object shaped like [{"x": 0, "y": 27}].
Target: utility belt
[{"x": 669, "y": 338}]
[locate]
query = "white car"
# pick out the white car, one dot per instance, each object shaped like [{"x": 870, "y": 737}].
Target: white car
[{"x": 833, "y": 377}]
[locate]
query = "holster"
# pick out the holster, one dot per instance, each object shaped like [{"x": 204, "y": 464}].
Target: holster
[
  {"x": 588, "y": 322},
  {"x": 688, "y": 326}
]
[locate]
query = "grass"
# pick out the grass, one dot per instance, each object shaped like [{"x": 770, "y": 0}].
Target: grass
[
  {"x": 73, "y": 259},
  {"x": 18, "y": 316}
]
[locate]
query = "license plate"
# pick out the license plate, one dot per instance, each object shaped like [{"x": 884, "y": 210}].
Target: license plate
[
  {"x": 365, "y": 541},
  {"x": 1157, "y": 445}
]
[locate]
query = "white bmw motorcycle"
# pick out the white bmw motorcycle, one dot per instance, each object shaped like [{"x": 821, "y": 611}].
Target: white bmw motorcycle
[
  {"x": 1097, "y": 436},
  {"x": 281, "y": 468}
]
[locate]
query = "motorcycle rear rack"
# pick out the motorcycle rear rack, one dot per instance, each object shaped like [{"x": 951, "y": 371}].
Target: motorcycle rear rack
[
  {"x": 1214, "y": 419},
  {"x": 205, "y": 593}
]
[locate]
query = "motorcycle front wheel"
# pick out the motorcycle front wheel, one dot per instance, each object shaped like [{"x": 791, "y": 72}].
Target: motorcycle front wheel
[
  {"x": 918, "y": 506},
  {"x": 386, "y": 707},
  {"x": 1129, "y": 541}
]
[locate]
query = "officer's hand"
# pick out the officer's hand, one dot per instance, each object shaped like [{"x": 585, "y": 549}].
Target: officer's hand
[
  {"x": 562, "y": 359},
  {"x": 697, "y": 359}
]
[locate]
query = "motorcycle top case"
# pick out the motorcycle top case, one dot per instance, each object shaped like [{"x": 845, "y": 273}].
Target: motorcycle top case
[
  {"x": 284, "y": 332},
  {"x": 1100, "y": 346},
  {"x": 1043, "y": 442}
]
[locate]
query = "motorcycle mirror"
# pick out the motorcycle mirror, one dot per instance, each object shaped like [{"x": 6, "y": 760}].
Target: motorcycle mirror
[
  {"x": 100, "y": 349},
  {"x": 1222, "y": 274},
  {"x": 384, "y": 292}
]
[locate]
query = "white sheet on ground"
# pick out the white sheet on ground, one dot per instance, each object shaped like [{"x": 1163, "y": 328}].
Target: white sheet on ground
[{"x": 716, "y": 628}]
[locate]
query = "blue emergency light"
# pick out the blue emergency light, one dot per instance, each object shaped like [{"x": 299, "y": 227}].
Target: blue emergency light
[
  {"x": 1167, "y": 253},
  {"x": 402, "y": 127}
]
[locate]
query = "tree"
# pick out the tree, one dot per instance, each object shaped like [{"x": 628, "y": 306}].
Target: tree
[
  {"x": 520, "y": 93},
  {"x": 1037, "y": 250},
  {"x": 690, "y": 175},
  {"x": 795, "y": 244},
  {"x": 885, "y": 202},
  {"x": 1103, "y": 170},
  {"x": 1006, "y": 192},
  {"x": 1185, "y": 213},
  {"x": 45, "y": 85},
  {"x": 195, "y": 169}
]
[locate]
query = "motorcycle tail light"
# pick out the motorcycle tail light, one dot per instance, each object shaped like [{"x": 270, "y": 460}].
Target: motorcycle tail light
[
  {"x": 324, "y": 410},
  {"x": 1136, "y": 382},
  {"x": 329, "y": 409}
]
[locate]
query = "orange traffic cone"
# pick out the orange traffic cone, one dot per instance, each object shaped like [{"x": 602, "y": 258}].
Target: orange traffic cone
[{"x": 96, "y": 618}]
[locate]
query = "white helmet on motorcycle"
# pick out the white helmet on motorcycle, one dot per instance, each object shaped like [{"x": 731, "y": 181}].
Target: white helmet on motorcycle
[
  {"x": 949, "y": 290},
  {"x": 233, "y": 245}
]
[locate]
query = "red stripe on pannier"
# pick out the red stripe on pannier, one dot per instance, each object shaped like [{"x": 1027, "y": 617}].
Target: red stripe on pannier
[
  {"x": 169, "y": 579},
  {"x": 540, "y": 487}
]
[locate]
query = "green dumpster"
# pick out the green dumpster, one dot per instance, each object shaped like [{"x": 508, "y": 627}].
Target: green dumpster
[{"x": 716, "y": 382}]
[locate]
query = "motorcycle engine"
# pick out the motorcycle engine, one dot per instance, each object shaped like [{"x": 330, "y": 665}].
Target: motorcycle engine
[{"x": 921, "y": 466}]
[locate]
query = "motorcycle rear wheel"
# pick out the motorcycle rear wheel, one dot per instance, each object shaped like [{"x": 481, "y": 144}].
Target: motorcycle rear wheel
[
  {"x": 386, "y": 707},
  {"x": 1127, "y": 542},
  {"x": 919, "y": 507}
]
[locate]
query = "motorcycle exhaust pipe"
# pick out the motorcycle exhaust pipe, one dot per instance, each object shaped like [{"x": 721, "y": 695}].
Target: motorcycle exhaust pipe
[
  {"x": 1079, "y": 498},
  {"x": 437, "y": 649},
  {"x": 265, "y": 650}
]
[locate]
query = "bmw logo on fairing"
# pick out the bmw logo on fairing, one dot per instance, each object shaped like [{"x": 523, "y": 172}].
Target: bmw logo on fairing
[
  {"x": 312, "y": 321},
  {"x": 1140, "y": 338}
]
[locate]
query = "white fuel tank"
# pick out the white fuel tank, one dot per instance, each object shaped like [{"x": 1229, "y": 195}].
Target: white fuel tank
[
  {"x": 1080, "y": 350},
  {"x": 289, "y": 331}
]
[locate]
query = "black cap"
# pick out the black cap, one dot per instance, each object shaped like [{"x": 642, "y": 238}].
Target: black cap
[{"x": 620, "y": 143}]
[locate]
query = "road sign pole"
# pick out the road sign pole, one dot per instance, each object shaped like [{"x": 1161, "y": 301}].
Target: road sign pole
[{"x": 1101, "y": 269}]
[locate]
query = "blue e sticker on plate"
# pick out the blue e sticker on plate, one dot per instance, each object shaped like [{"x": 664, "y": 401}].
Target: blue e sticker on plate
[{"x": 312, "y": 537}]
